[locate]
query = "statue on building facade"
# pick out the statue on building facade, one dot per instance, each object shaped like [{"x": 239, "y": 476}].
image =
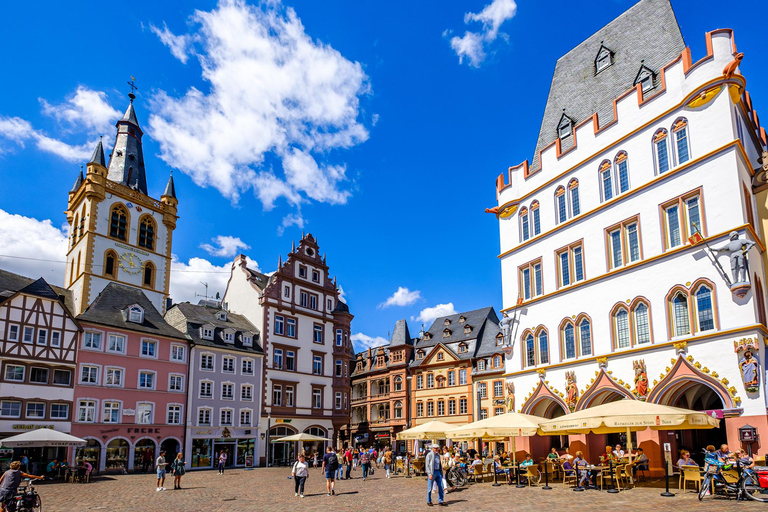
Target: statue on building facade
[
  {"x": 510, "y": 396},
  {"x": 571, "y": 390},
  {"x": 748, "y": 364},
  {"x": 506, "y": 328},
  {"x": 641, "y": 379},
  {"x": 737, "y": 248}
]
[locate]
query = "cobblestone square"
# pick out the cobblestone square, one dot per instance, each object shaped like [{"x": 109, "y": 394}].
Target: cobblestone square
[{"x": 270, "y": 490}]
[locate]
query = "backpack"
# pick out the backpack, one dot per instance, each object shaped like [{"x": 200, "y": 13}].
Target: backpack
[
  {"x": 364, "y": 459},
  {"x": 333, "y": 462}
]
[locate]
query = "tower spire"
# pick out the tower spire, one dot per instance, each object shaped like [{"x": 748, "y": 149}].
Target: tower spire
[
  {"x": 98, "y": 155},
  {"x": 126, "y": 163}
]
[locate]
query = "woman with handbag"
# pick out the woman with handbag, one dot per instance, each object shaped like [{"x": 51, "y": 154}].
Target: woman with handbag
[
  {"x": 177, "y": 468},
  {"x": 300, "y": 472}
]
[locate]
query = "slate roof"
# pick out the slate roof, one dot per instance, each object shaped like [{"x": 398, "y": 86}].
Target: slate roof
[
  {"x": 401, "y": 335},
  {"x": 98, "y": 156},
  {"x": 11, "y": 283},
  {"x": 170, "y": 188},
  {"x": 189, "y": 318},
  {"x": 257, "y": 278},
  {"x": 78, "y": 182},
  {"x": 126, "y": 162},
  {"x": 109, "y": 306},
  {"x": 647, "y": 33}
]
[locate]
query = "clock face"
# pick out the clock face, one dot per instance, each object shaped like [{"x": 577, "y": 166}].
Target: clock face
[{"x": 130, "y": 263}]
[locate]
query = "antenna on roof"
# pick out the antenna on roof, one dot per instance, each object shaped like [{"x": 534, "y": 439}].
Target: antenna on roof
[{"x": 206, "y": 291}]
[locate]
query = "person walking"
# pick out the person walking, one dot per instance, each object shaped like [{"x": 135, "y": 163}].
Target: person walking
[
  {"x": 355, "y": 458},
  {"x": 387, "y": 457},
  {"x": 177, "y": 469},
  {"x": 330, "y": 465},
  {"x": 300, "y": 472},
  {"x": 434, "y": 467},
  {"x": 340, "y": 467},
  {"x": 365, "y": 462},
  {"x": 222, "y": 461},
  {"x": 348, "y": 460},
  {"x": 160, "y": 464}
]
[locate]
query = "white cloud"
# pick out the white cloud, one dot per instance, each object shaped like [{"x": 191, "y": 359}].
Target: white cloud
[
  {"x": 402, "y": 297},
  {"x": 342, "y": 294},
  {"x": 180, "y": 45},
  {"x": 273, "y": 92},
  {"x": 85, "y": 108},
  {"x": 362, "y": 342},
  {"x": 187, "y": 278},
  {"x": 472, "y": 45},
  {"x": 33, "y": 248},
  {"x": 225, "y": 246},
  {"x": 428, "y": 315},
  {"x": 293, "y": 219}
]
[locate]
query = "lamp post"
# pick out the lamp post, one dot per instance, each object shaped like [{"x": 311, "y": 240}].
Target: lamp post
[{"x": 407, "y": 423}]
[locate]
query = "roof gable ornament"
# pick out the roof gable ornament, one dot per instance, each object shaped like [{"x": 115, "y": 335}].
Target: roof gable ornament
[
  {"x": 644, "y": 77},
  {"x": 564, "y": 126},
  {"x": 604, "y": 58}
]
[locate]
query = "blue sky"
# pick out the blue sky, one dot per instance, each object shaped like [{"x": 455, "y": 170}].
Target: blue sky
[{"x": 378, "y": 127}]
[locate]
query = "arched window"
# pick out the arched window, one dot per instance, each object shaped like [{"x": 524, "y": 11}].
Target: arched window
[
  {"x": 661, "y": 151},
  {"x": 569, "y": 341},
  {"x": 74, "y": 230},
  {"x": 561, "y": 213},
  {"x": 642, "y": 324},
  {"x": 573, "y": 188},
  {"x": 682, "y": 150},
  {"x": 622, "y": 172},
  {"x": 497, "y": 362},
  {"x": 681, "y": 324},
  {"x": 110, "y": 264},
  {"x": 149, "y": 275},
  {"x": 621, "y": 328},
  {"x": 398, "y": 383},
  {"x": 530, "y": 351},
  {"x": 535, "y": 220},
  {"x": 606, "y": 181},
  {"x": 81, "y": 226},
  {"x": 398, "y": 410},
  {"x": 525, "y": 232},
  {"x": 543, "y": 347},
  {"x": 704, "y": 308},
  {"x": 585, "y": 337},
  {"x": 118, "y": 222},
  {"x": 147, "y": 232}
]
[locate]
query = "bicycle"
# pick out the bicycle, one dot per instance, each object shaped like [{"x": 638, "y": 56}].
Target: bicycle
[
  {"x": 755, "y": 484},
  {"x": 26, "y": 499},
  {"x": 456, "y": 477}
]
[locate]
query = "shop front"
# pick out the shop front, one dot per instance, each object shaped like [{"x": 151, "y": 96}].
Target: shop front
[
  {"x": 205, "y": 445},
  {"x": 38, "y": 457}
]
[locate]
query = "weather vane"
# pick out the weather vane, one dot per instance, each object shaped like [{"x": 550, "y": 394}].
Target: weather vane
[{"x": 132, "y": 85}]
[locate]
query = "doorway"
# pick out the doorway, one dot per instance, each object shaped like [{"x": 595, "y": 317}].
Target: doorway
[{"x": 229, "y": 449}]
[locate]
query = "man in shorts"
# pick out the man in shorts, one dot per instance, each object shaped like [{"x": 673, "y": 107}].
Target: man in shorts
[
  {"x": 161, "y": 471},
  {"x": 330, "y": 466}
]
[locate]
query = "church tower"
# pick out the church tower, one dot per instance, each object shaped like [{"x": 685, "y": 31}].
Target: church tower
[{"x": 117, "y": 232}]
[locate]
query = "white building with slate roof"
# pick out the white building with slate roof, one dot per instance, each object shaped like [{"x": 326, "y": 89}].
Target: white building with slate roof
[{"x": 643, "y": 149}]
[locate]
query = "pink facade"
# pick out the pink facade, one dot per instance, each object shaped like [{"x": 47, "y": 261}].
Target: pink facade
[{"x": 130, "y": 394}]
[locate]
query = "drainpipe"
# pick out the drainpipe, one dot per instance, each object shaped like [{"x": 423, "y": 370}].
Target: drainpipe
[{"x": 187, "y": 405}]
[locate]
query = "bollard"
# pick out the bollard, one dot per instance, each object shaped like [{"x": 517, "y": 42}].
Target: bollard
[
  {"x": 613, "y": 489},
  {"x": 546, "y": 477},
  {"x": 666, "y": 492}
]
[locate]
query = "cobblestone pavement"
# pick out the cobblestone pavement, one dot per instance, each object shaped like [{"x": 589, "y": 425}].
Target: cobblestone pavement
[{"x": 270, "y": 490}]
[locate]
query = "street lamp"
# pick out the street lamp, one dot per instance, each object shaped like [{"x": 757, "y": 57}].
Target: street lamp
[{"x": 407, "y": 423}]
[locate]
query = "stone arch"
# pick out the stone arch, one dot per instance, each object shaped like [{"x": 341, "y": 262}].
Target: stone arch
[
  {"x": 684, "y": 376},
  {"x": 602, "y": 390},
  {"x": 545, "y": 402}
]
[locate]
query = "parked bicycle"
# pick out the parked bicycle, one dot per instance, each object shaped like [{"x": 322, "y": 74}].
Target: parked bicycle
[
  {"x": 456, "y": 476},
  {"x": 27, "y": 499},
  {"x": 728, "y": 480}
]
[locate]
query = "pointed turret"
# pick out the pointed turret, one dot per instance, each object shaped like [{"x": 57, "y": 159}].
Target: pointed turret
[
  {"x": 170, "y": 189},
  {"x": 126, "y": 163},
  {"x": 98, "y": 156},
  {"x": 78, "y": 182}
]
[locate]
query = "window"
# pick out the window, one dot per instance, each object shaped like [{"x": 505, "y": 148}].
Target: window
[
  {"x": 247, "y": 340},
  {"x": 682, "y": 219},
  {"x": 14, "y": 372},
  {"x": 178, "y": 353},
  {"x": 229, "y": 337},
  {"x": 680, "y": 130},
  {"x": 116, "y": 344},
  {"x": 642, "y": 324},
  {"x": 110, "y": 264},
  {"x": 206, "y": 362},
  {"x": 59, "y": 411},
  {"x": 645, "y": 79},
  {"x": 55, "y": 339},
  {"x": 148, "y": 348},
  {"x": 603, "y": 60},
  {"x": 228, "y": 364},
  {"x": 136, "y": 315},
  {"x": 89, "y": 374},
  {"x": 287, "y": 292},
  {"x": 430, "y": 408},
  {"x": 206, "y": 389},
  {"x": 290, "y": 360},
  {"x": 62, "y": 377},
  {"x": 289, "y": 396},
  {"x": 606, "y": 181},
  {"x": 227, "y": 391},
  {"x": 304, "y": 299},
  {"x": 114, "y": 377},
  {"x": 174, "y": 414},
  {"x": 317, "y": 399},
  {"x": 481, "y": 365},
  {"x": 246, "y": 392},
  {"x": 118, "y": 222},
  {"x": 681, "y": 324},
  {"x": 29, "y": 335},
  {"x": 247, "y": 367},
  {"x": 302, "y": 271},
  {"x": 207, "y": 333},
  {"x": 573, "y": 188},
  {"x": 111, "y": 412},
  {"x": 483, "y": 414},
  {"x": 621, "y": 326},
  {"x": 398, "y": 383},
  {"x": 703, "y": 309},
  {"x": 525, "y": 231},
  {"x": 451, "y": 407},
  {"x": 543, "y": 347},
  {"x": 277, "y": 358},
  {"x": 451, "y": 378},
  {"x": 462, "y": 406},
  {"x": 419, "y": 409},
  {"x": 86, "y": 411},
  {"x": 560, "y": 209},
  {"x": 569, "y": 341},
  {"x": 245, "y": 417},
  {"x": 147, "y": 232},
  {"x": 145, "y": 413},
  {"x": 419, "y": 382},
  {"x": 13, "y": 332},
  {"x": 226, "y": 417},
  {"x": 570, "y": 262},
  {"x": 623, "y": 242},
  {"x": 290, "y": 327},
  {"x": 441, "y": 407},
  {"x": 277, "y": 395},
  {"x": 338, "y": 368},
  {"x": 585, "y": 337},
  {"x": 279, "y": 324},
  {"x": 317, "y": 365},
  {"x": 564, "y": 127},
  {"x": 530, "y": 279},
  {"x": 430, "y": 380},
  {"x": 462, "y": 377},
  {"x": 660, "y": 146},
  {"x": 313, "y": 302},
  {"x": 146, "y": 380},
  {"x": 35, "y": 410},
  {"x": 498, "y": 389},
  {"x": 398, "y": 410},
  {"x": 91, "y": 340},
  {"x": 42, "y": 336},
  {"x": 622, "y": 172},
  {"x": 204, "y": 416},
  {"x": 175, "y": 382},
  {"x": 483, "y": 389},
  {"x": 337, "y": 400},
  {"x": 317, "y": 334},
  {"x": 339, "y": 341}
]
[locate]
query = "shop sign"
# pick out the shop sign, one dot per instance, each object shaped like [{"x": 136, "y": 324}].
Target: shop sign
[
  {"x": 379, "y": 436},
  {"x": 136, "y": 430},
  {"x": 30, "y": 426},
  {"x": 206, "y": 432},
  {"x": 282, "y": 421},
  {"x": 129, "y": 412},
  {"x": 499, "y": 401}
]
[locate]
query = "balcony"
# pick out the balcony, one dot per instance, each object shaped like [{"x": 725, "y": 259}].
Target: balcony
[
  {"x": 380, "y": 396},
  {"x": 356, "y": 399}
]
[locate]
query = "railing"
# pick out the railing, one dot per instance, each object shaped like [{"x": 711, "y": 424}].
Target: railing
[{"x": 359, "y": 399}]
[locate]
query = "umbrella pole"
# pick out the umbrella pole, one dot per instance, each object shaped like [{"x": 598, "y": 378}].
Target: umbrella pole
[
  {"x": 495, "y": 480},
  {"x": 514, "y": 463}
]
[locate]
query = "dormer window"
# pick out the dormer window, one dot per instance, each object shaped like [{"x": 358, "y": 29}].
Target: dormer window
[
  {"x": 222, "y": 315},
  {"x": 380, "y": 361},
  {"x": 462, "y": 319},
  {"x": 564, "y": 127},
  {"x": 447, "y": 322},
  {"x": 467, "y": 329},
  {"x": 229, "y": 336},
  {"x": 499, "y": 339},
  {"x": 446, "y": 333},
  {"x": 427, "y": 336},
  {"x": 206, "y": 332},
  {"x": 462, "y": 348},
  {"x": 604, "y": 59},
  {"x": 481, "y": 365},
  {"x": 420, "y": 354},
  {"x": 136, "y": 314},
  {"x": 247, "y": 340},
  {"x": 644, "y": 78}
]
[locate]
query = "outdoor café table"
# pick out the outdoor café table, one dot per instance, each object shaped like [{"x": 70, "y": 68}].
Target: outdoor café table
[{"x": 594, "y": 470}]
